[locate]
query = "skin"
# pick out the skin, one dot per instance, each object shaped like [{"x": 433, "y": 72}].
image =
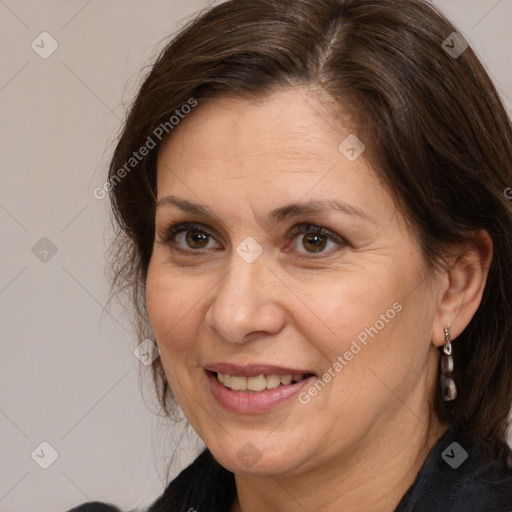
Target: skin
[{"x": 359, "y": 443}]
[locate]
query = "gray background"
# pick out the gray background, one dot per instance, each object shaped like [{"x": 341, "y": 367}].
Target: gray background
[{"x": 68, "y": 375}]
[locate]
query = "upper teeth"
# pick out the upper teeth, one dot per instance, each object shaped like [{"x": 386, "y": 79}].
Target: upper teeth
[{"x": 258, "y": 383}]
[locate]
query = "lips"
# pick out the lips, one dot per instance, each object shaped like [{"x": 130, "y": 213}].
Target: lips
[
  {"x": 255, "y": 388},
  {"x": 247, "y": 401}
]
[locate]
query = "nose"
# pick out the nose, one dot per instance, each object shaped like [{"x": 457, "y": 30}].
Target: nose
[{"x": 246, "y": 301}]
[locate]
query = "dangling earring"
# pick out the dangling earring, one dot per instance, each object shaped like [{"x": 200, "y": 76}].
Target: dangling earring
[{"x": 448, "y": 388}]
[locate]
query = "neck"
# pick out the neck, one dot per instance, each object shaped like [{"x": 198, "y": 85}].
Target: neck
[{"x": 373, "y": 478}]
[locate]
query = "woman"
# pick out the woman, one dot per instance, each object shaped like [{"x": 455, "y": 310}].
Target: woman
[{"x": 317, "y": 231}]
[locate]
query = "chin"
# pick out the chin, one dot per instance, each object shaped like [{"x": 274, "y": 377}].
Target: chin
[{"x": 256, "y": 458}]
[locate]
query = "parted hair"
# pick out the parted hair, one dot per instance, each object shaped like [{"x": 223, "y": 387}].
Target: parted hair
[{"x": 436, "y": 131}]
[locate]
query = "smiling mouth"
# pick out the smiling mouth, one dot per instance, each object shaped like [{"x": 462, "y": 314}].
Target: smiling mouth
[{"x": 258, "y": 383}]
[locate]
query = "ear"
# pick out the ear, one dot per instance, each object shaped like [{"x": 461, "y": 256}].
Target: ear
[{"x": 462, "y": 286}]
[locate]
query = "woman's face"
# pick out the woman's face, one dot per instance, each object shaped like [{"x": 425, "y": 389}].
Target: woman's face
[{"x": 252, "y": 288}]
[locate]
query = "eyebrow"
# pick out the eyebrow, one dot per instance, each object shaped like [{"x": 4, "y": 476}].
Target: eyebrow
[{"x": 293, "y": 210}]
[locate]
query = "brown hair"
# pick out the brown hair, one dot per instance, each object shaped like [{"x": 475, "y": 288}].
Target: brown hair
[{"x": 436, "y": 131}]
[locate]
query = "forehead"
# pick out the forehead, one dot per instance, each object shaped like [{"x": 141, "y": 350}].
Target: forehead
[
  {"x": 286, "y": 146},
  {"x": 288, "y": 131}
]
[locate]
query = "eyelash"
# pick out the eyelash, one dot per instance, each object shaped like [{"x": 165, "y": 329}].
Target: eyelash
[{"x": 170, "y": 232}]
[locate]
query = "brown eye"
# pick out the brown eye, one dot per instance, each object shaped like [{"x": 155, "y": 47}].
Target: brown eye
[
  {"x": 315, "y": 239},
  {"x": 314, "y": 243},
  {"x": 188, "y": 236},
  {"x": 196, "y": 239}
]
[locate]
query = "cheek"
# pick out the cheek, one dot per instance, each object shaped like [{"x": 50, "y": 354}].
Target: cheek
[
  {"x": 174, "y": 309},
  {"x": 354, "y": 310},
  {"x": 374, "y": 323}
]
